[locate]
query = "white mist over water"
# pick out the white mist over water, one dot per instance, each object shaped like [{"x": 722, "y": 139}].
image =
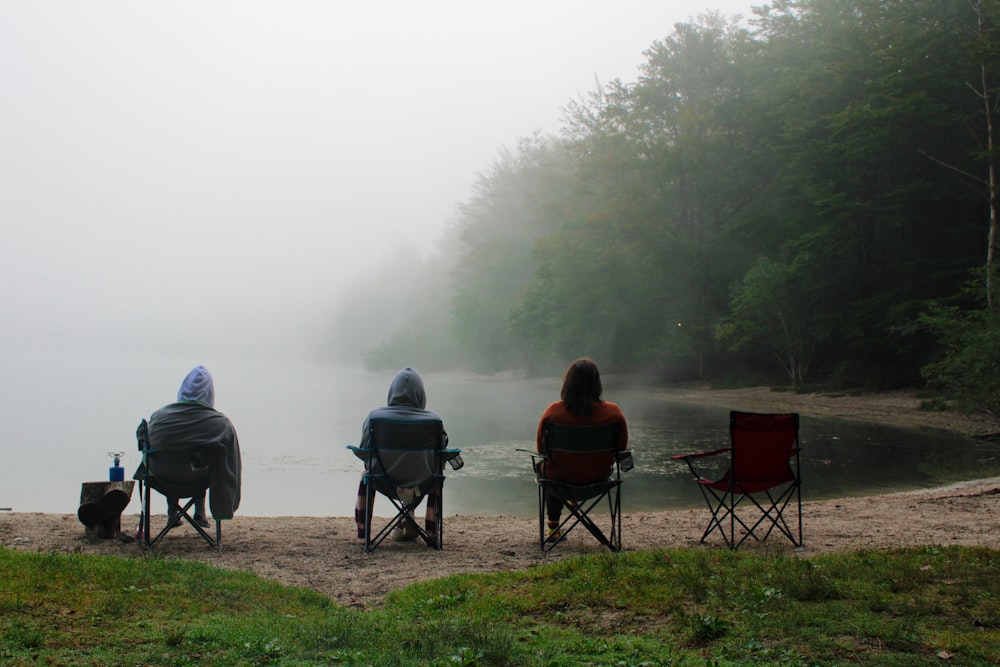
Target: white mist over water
[{"x": 61, "y": 415}]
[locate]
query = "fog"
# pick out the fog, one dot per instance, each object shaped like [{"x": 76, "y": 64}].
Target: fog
[
  {"x": 203, "y": 183},
  {"x": 202, "y": 177}
]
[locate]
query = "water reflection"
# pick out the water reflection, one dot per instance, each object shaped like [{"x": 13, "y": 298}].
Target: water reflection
[{"x": 839, "y": 458}]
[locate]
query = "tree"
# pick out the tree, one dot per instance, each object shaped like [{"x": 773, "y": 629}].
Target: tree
[
  {"x": 774, "y": 309},
  {"x": 517, "y": 200}
]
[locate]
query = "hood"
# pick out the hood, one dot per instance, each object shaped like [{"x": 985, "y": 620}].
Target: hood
[
  {"x": 198, "y": 387},
  {"x": 407, "y": 388}
]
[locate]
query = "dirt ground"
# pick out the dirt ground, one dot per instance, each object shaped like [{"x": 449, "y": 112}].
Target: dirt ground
[{"x": 322, "y": 553}]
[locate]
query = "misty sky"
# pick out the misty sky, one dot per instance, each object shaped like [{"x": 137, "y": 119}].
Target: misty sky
[{"x": 176, "y": 174}]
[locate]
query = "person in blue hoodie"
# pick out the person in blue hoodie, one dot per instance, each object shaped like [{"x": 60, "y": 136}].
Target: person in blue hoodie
[
  {"x": 193, "y": 420},
  {"x": 406, "y": 402}
]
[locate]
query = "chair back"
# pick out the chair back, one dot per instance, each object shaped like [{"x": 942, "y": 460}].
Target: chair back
[
  {"x": 763, "y": 447},
  {"x": 580, "y": 454},
  {"x": 580, "y": 439},
  {"x": 602, "y": 438},
  {"x": 407, "y": 453},
  {"x": 175, "y": 469}
]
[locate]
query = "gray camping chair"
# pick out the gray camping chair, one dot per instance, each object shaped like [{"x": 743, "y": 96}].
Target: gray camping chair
[
  {"x": 404, "y": 461},
  {"x": 180, "y": 471}
]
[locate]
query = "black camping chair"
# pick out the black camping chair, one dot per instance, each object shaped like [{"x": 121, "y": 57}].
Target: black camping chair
[
  {"x": 404, "y": 461},
  {"x": 566, "y": 443},
  {"x": 763, "y": 477},
  {"x": 197, "y": 458}
]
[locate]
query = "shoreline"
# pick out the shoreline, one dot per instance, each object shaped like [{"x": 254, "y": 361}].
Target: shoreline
[{"x": 324, "y": 554}]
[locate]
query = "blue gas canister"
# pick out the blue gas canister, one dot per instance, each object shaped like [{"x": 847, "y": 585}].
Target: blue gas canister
[{"x": 116, "y": 473}]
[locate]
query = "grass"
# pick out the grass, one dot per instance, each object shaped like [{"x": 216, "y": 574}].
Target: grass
[{"x": 680, "y": 607}]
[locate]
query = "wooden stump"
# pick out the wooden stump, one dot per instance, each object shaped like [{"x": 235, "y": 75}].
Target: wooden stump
[{"x": 101, "y": 505}]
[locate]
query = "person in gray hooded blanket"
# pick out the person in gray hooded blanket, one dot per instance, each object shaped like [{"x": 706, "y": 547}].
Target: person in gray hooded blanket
[
  {"x": 405, "y": 402},
  {"x": 193, "y": 420}
]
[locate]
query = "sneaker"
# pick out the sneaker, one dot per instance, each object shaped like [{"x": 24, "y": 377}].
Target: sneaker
[
  {"x": 201, "y": 521},
  {"x": 404, "y": 533},
  {"x": 555, "y": 535}
]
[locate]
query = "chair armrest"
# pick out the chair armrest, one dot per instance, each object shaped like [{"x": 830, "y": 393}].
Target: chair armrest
[
  {"x": 537, "y": 458},
  {"x": 698, "y": 455},
  {"x": 363, "y": 454},
  {"x": 624, "y": 460}
]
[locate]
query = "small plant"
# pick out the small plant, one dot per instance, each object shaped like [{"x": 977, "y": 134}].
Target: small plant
[
  {"x": 22, "y": 636},
  {"x": 463, "y": 657},
  {"x": 174, "y": 636},
  {"x": 706, "y": 628}
]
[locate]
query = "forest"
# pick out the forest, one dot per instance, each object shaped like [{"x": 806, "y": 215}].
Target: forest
[{"x": 805, "y": 196}]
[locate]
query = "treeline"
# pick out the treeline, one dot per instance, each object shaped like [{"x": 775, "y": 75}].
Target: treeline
[{"x": 801, "y": 197}]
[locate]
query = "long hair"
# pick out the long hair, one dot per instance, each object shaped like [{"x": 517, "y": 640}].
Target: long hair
[{"x": 581, "y": 386}]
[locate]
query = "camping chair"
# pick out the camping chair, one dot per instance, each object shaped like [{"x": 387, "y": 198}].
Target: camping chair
[
  {"x": 562, "y": 443},
  {"x": 763, "y": 477},
  {"x": 195, "y": 457},
  {"x": 404, "y": 461}
]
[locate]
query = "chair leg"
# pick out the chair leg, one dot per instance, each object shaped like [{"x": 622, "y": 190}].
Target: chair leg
[
  {"x": 726, "y": 516},
  {"x": 579, "y": 513},
  {"x": 775, "y": 512},
  {"x": 431, "y": 532},
  {"x": 201, "y": 531},
  {"x": 719, "y": 507},
  {"x": 542, "y": 502},
  {"x": 176, "y": 520},
  {"x": 144, "y": 517}
]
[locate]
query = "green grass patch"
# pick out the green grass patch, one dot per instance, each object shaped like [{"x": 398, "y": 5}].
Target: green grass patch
[{"x": 678, "y": 607}]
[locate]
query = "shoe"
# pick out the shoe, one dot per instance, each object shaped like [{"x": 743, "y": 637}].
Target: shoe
[
  {"x": 201, "y": 521},
  {"x": 555, "y": 535},
  {"x": 404, "y": 532}
]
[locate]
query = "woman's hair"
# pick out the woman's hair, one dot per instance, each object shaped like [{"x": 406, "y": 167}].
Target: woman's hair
[{"x": 581, "y": 386}]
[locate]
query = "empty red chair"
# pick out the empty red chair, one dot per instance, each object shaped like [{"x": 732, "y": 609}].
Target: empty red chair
[{"x": 751, "y": 497}]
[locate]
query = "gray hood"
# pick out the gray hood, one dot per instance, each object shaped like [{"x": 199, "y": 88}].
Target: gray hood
[{"x": 407, "y": 388}]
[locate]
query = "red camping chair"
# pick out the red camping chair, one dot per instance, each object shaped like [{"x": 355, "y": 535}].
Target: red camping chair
[{"x": 763, "y": 477}]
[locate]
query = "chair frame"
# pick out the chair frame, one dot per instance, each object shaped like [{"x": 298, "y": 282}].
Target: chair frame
[
  {"x": 580, "y": 499},
  {"x": 376, "y": 480},
  {"x": 149, "y": 482},
  {"x": 726, "y": 495}
]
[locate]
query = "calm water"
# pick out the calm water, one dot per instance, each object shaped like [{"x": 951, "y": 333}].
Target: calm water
[{"x": 61, "y": 417}]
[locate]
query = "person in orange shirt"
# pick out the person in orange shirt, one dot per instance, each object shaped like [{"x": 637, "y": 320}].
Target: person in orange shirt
[{"x": 581, "y": 405}]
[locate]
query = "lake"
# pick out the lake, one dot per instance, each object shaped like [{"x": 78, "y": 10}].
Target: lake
[{"x": 63, "y": 414}]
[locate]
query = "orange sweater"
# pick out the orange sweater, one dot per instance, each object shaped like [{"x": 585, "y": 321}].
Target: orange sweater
[{"x": 585, "y": 468}]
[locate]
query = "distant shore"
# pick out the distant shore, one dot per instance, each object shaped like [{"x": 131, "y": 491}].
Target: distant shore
[{"x": 903, "y": 408}]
